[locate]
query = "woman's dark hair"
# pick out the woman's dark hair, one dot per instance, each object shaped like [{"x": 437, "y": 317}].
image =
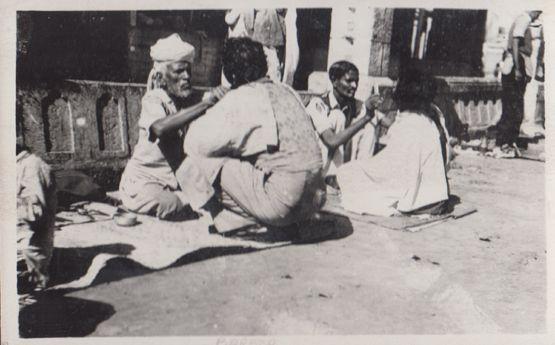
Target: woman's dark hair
[
  {"x": 244, "y": 61},
  {"x": 340, "y": 68},
  {"x": 415, "y": 89}
]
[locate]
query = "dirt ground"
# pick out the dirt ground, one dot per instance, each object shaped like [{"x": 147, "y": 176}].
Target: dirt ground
[{"x": 483, "y": 273}]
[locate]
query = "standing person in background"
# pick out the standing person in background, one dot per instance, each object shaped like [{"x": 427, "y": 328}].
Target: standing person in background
[
  {"x": 532, "y": 125},
  {"x": 276, "y": 29},
  {"x": 291, "y": 47},
  {"x": 240, "y": 22},
  {"x": 540, "y": 77},
  {"x": 517, "y": 72},
  {"x": 269, "y": 30}
]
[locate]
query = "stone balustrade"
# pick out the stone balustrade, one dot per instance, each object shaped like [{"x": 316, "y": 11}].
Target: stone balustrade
[{"x": 78, "y": 124}]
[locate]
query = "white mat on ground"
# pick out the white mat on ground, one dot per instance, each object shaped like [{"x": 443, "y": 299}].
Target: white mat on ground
[{"x": 157, "y": 244}]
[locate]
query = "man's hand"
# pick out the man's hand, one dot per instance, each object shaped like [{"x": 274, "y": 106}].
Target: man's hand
[
  {"x": 32, "y": 208},
  {"x": 518, "y": 74},
  {"x": 384, "y": 120},
  {"x": 539, "y": 73},
  {"x": 216, "y": 94},
  {"x": 374, "y": 101}
]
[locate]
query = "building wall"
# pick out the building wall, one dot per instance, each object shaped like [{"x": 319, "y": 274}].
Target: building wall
[
  {"x": 72, "y": 45},
  {"x": 113, "y": 46},
  {"x": 205, "y": 30},
  {"x": 379, "y": 40},
  {"x": 381, "y": 43},
  {"x": 313, "y": 32},
  {"x": 351, "y": 35},
  {"x": 455, "y": 42}
]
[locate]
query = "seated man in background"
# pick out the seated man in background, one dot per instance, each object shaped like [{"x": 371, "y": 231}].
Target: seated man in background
[
  {"x": 253, "y": 158},
  {"x": 409, "y": 175},
  {"x": 148, "y": 184},
  {"x": 36, "y": 213},
  {"x": 346, "y": 126}
]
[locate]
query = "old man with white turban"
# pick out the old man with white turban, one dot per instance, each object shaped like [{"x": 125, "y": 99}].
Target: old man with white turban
[{"x": 148, "y": 184}]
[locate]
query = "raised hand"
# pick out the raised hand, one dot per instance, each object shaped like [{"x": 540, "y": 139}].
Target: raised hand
[
  {"x": 216, "y": 94},
  {"x": 374, "y": 101},
  {"x": 31, "y": 208}
]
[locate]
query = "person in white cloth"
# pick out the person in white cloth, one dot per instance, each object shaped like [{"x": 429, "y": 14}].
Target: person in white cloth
[
  {"x": 148, "y": 184},
  {"x": 36, "y": 213},
  {"x": 532, "y": 125},
  {"x": 409, "y": 175},
  {"x": 346, "y": 126}
]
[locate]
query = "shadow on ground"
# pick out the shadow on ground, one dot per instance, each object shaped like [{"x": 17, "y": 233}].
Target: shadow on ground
[
  {"x": 330, "y": 228},
  {"x": 60, "y": 316},
  {"x": 69, "y": 264},
  {"x": 453, "y": 201},
  {"x": 56, "y": 315}
]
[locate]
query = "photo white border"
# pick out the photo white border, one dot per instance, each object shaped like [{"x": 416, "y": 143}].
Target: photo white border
[{"x": 9, "y": 305}]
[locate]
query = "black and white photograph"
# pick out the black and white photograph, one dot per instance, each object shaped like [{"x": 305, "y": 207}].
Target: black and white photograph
[{"x": 246, "y": 171}]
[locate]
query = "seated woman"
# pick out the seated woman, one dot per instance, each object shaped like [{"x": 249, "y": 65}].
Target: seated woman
[
  {"x": 253, "y": 158},
  {"x": 409, "y": 174}
]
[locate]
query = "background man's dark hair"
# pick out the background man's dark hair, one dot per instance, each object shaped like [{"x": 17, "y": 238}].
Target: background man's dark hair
[
  {"x": 340, "y": 68},
  {"x": 244, "y": 61}
]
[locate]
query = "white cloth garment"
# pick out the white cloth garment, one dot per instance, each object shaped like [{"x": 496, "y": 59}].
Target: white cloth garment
[
  {"x": 237, "y": 19},
  {"x": 530, "y": 125},
  {"x": 409, "y": 173},
  {"x": 148, "y": 165}
]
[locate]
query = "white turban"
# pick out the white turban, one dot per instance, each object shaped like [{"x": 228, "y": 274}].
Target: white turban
[
  {"x": 172, "y": 48},
  {"x": 166, "y": 50}
]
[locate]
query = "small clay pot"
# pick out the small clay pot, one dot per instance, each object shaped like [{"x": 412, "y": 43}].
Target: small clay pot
[{"x": 125, "y": 219}]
